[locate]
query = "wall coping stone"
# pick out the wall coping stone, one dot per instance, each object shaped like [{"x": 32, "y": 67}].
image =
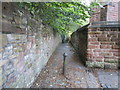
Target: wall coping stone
[{"x": 105, "y": 24}]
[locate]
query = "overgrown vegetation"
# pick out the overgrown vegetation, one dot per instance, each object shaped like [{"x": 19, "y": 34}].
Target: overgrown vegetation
[{"x": 65, "y": 17}]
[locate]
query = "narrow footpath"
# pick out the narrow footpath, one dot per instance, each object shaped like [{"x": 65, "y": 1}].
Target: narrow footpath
[{"x": 76, "y": 74}]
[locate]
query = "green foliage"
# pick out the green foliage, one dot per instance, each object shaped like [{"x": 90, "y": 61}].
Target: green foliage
[
  {"x": 94, "y": 4},
  {"x": 60, "y": 16}
]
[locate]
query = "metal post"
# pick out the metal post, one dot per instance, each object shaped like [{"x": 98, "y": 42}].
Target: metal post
[{"x": 64, "y": 57}]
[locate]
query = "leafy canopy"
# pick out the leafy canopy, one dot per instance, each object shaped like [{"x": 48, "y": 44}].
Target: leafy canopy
[{"x": 61, "y": 16}]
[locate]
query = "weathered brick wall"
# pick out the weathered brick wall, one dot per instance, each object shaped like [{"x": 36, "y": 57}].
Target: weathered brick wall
[
  {"x": 99, "y": 14},
  {"x": 119, "y": 11},
  {"x": 104, "y": 41},
  {"x": 103, "y": 13},
  {"x": 79, "y": 42},
  {"x": 108, "y": 13},
  {"x": 96, "y": 14},
  {"x": 26, "y": 47},
  {"x": 103, "y": 47},
  {"x": 112, "y": 12},
  {"x": 98, "y": 47}
]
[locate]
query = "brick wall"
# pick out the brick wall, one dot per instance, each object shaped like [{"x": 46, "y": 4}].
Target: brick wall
[
  {"x": 112, "y": 12},
  {"x": 26, "y": 47},
  {"x": 96, "y": 14},
  {"x": 103, "y": 47},
  {"x": 99, "y": 14},
  {"x": 98, "y": 47},
  {"x": 103, "y": 13},
  {"x": 103, "y": 42},
  {"x": 108, "y": 13},
  {"x": 79, "y": 42},
  {"x": 119, "y": 11}
]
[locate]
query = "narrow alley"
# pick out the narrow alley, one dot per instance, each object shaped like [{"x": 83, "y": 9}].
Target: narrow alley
[
  {"x": 76, "y": 74},
  {"x": 32, "y": 52}
]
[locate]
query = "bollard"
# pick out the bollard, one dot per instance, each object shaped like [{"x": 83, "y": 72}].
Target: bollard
[{"x": 64, "y": 63}]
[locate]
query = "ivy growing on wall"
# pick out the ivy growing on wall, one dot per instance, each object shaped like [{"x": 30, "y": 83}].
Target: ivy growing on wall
[{"x": 61, "y": 16}]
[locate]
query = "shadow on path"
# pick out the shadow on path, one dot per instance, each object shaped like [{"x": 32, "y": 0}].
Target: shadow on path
[{"x": 76, "y": 75}]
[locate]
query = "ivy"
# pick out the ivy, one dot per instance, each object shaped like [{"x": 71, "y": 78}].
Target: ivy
[{"x": 59, "y": 15}]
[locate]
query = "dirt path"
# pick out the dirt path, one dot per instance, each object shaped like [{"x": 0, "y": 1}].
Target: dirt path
[{"x": 76, "y": 76}]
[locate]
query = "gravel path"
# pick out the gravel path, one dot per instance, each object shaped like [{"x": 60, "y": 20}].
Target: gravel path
[{"x": 76, "y": 75}]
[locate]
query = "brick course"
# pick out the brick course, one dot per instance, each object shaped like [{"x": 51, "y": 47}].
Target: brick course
[{"x": 105, "y": 48}]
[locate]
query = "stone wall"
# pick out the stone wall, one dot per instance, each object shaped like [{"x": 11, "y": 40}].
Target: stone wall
[
  {"x": 26, "y": 47},
  {"x": 79, "y": 42}
]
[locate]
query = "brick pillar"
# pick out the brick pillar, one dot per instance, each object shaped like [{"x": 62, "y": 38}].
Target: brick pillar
[
  {"x": 103, "y": 47},
  {"x": 113, "y": 11}
]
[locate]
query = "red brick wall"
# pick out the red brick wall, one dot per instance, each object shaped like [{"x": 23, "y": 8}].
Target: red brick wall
[
  {"x": 95, "y": 15},
  {"x": 103, "y": 47},
  {"x": 118, "y": 11},
  {"x": 104, "y": 43},
  {"x": 108, "y": 13},
  {"x": 103, "y": 13},
  {"x": 112, "y": 12}
]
